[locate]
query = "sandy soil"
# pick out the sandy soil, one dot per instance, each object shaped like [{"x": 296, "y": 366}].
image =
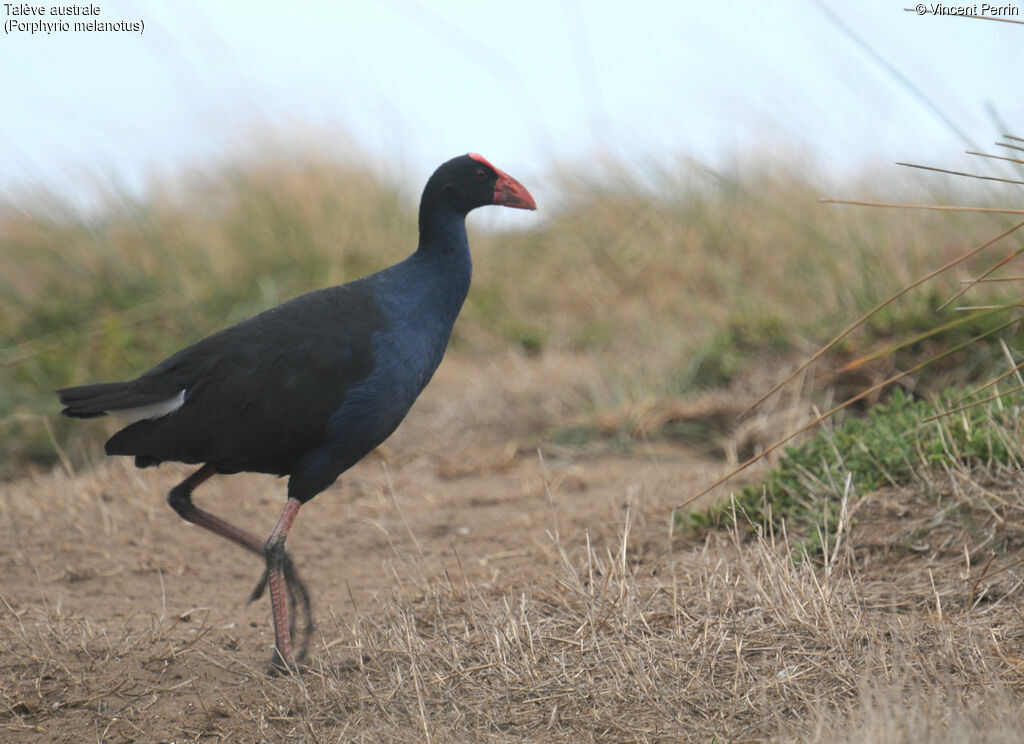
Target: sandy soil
[
  {"x": 460, "y": 493},
  {"x": 468, "y": 587}
]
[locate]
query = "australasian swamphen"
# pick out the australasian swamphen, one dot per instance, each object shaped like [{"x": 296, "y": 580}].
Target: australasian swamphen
[{"x": 310, "y": 387}]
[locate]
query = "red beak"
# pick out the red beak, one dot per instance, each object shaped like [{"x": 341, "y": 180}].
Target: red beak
[{"x": 508, "y": 192}]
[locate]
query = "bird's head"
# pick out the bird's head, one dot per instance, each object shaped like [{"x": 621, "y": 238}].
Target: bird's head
[{"x": 470, "y": 181}]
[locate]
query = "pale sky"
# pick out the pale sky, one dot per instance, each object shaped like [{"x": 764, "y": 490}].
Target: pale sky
[{"x": 529, "y": 84}]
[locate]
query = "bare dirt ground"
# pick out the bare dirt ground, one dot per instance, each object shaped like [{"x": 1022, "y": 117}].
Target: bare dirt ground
[{"x": 467, "y": 588}]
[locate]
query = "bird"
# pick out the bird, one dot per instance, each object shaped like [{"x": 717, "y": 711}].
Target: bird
[{"x": 306, "y": 389}]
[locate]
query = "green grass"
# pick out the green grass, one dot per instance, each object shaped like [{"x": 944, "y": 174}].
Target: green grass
[
  {"x": 898, "y": 442},
  {"x": 675, "y": 277}
]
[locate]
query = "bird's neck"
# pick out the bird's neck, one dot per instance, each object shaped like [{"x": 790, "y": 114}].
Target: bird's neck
[
  {"x": 442, "y": 230},
  {"x": 443, "y": 252}
]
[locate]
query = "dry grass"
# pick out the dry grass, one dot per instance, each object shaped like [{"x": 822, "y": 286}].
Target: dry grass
[{"x": 610, "y": 630}]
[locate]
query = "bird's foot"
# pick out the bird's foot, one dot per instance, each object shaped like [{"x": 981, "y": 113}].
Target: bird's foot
[{"x": 298, "y": 597}]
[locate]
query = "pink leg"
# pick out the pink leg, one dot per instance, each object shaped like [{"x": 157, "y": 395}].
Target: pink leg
[
  {"x": 180, "y": 499},
  {"x": 276, "y": 577},
  {"x": 285, "y": 586}
]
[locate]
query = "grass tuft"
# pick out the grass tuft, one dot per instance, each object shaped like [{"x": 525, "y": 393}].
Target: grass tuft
[{"x": 897, "y": 442}]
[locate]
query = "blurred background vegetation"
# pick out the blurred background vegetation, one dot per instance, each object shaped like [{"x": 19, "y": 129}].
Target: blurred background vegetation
[{"x": 673, "y": 277}]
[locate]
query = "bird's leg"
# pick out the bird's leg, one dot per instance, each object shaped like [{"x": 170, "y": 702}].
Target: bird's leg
[
  {"x": 180, "y": 499},
  {"x": 278, "y": 580}
]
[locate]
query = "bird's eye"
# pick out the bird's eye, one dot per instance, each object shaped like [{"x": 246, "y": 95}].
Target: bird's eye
[{"x": 480, "y": 174}]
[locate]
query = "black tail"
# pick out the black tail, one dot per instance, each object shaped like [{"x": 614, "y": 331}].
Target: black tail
[{"x": 89, "y": 401}]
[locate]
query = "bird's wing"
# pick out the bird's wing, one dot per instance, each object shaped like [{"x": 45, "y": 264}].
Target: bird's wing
[{"x": 258, "y": 395}]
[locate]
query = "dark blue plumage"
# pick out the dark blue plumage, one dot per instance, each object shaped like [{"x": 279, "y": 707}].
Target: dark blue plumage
[{"x": 307, "y": 388}]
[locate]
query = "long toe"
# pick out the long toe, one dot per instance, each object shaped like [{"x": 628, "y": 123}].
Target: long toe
[
  {"x": 300, "y": 603},
  {"x": 261, "y": 587}
]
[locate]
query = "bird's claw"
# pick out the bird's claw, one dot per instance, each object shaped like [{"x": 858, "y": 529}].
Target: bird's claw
[{"x": 298, "y": 596}]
